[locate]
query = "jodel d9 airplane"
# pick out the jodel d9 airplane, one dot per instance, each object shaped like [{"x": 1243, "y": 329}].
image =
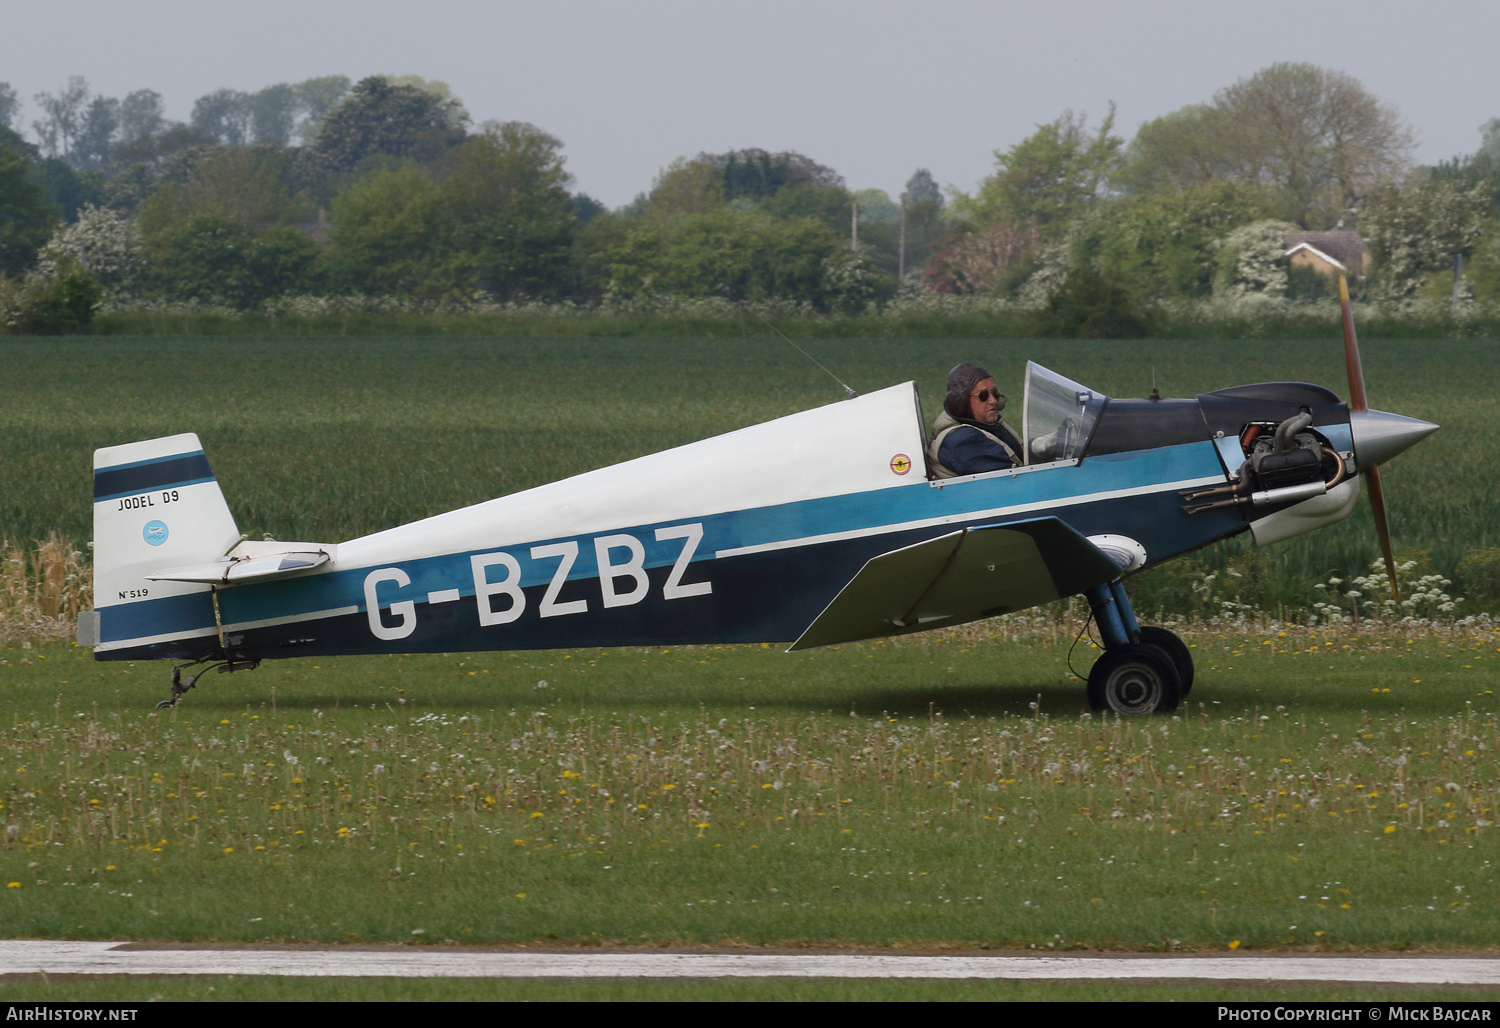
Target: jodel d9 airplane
[{"x": 817, "y": 528}]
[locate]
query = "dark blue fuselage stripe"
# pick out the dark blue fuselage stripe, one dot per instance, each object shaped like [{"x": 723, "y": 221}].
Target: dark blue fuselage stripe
[
  {"x": 759, "y": 597},
  {"x": 144, "y": 618},
  {"x": 756, "y": 597},
  {"x": 166, "y": 473}
]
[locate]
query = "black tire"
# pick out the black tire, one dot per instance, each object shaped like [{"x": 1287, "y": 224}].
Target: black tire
[
  {"x": 1134, "y": 679},
  {"x": 1176, "y": 650}
]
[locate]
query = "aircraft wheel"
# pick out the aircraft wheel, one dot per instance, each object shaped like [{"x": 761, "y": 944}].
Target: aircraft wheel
[
  {"x": 1175, "y": 649},
  {"x": 1134, "y": 679}
]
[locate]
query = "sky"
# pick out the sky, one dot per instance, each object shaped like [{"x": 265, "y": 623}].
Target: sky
[{"x": 872, "y": 88}]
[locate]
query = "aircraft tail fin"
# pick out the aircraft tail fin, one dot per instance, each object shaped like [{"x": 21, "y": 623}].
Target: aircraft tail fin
[{"x": 157, "y": 506}]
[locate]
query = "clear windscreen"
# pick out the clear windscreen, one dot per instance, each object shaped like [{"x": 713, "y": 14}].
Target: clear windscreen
[{"x": 1057, "y": 415}]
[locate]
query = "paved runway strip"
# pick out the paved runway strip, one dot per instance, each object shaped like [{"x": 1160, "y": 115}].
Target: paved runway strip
[{"x": 32, "y": 957}]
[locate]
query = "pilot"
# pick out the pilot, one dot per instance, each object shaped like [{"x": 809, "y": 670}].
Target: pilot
[{"x": 968, "y": 436}]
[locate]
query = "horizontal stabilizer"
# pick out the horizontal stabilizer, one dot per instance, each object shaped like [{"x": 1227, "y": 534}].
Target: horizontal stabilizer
[
  {"x": 230, "y": 570},
  {"x": 964, "y": 576}
]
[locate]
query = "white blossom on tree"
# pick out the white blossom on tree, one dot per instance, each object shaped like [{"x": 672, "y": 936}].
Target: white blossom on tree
[
  {"x": 1419, "y": 231},
  {"x": 1252, "y": 259},
  {"x": 1051, "y": 270},
  {"x": 104, "y": 242},
  {"x": 852, "y": 280}
]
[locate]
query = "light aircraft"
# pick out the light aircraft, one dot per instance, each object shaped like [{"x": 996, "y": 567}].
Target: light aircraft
[{"x": 817, "y": 528}]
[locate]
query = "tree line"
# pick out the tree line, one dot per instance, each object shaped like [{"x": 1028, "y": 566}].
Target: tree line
[{"x": 386, "y": 187}]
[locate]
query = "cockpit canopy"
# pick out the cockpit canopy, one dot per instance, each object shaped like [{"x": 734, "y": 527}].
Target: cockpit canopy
[{"x": 1057, "y": 415}]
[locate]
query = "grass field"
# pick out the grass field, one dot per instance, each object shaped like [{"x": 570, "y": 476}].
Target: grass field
[
  {"x": 1317, "y": 792},
  {"x": 244, "y": 988}
]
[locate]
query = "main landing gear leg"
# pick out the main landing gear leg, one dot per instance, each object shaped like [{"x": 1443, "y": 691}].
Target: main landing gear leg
[
  {"x": 1144, "y": 669},
  {"x": 180, "y": 686}
]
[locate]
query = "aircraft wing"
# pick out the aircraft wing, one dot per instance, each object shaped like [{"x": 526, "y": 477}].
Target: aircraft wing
[{"x": 964, "y": 576}]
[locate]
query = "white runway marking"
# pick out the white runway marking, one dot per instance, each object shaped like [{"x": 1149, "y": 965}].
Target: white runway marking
[{"x": 33, "y": 957}]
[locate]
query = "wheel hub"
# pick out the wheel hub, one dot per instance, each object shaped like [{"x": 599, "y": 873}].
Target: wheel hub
[{"x": 1133, "y": 688}]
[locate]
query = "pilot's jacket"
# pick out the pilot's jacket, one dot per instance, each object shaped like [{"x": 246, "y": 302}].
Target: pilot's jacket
[{"x": 964, "y": 448}]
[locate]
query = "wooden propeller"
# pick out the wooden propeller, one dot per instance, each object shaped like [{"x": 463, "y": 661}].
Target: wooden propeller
[{"x": 1357, "y": 401}]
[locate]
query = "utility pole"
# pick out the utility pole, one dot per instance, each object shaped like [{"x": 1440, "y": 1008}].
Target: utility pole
[
  {"x": 854, "y": 223},
  {"x": 901, "y": 250},
  {"x": 1458, "y": 269}
]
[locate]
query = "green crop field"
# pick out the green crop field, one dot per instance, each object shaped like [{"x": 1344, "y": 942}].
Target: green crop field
[{"x": 325, "y": 438}]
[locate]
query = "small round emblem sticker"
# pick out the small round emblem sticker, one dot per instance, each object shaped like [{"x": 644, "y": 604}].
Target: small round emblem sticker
[
  {"x": 155, "y": 532},
  {"x": 901, "y": 464}
]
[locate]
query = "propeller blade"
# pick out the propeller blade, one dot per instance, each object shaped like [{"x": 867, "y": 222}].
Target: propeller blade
[
  {"x": 1357, "y": 399},
  {"x": 1382, "y": 529},
  {"x": 1358, "y": 402}
]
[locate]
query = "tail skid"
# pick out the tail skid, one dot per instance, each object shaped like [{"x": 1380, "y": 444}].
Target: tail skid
[{"x": 179, "y": 686}]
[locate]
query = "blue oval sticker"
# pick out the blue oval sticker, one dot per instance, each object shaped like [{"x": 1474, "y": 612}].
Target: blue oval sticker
[{"x": 155, "y": 532}]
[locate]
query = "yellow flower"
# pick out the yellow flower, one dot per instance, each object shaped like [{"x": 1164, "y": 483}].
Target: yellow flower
[{"x": 1235, "y": 944}]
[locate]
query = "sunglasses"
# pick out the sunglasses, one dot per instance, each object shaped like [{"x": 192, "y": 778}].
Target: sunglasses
[{"x": 984, "y": 395}]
